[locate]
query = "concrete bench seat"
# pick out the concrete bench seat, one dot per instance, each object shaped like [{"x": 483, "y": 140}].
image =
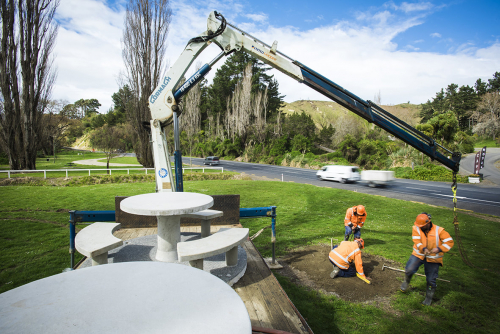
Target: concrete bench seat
[
  {"x": 226, "y": 241},
  {"x": 206, "y": 216},
  {"x": 95, "y": 240}
]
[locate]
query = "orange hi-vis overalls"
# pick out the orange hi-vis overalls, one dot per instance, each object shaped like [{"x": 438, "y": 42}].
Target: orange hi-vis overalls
[
  {"x": 436, "y": 237},
  {"x": 350, "y": 217},
  {"x": 346, "y": 252}
]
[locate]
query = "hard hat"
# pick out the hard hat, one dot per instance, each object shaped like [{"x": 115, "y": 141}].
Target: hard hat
[
  {"x": 422, "y": 220},
  {"x": 428, "y": 214},
  {"x": 360, "y": 210},
  {"x": 361, "y": 241}
]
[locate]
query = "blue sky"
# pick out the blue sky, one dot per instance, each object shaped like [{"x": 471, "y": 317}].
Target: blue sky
[
  {"x": 441, "y": 27},
  {"x": 406, "y": 50}
]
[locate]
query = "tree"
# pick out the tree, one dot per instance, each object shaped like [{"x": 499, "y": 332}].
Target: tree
[
  {"x": 488, "y": 115},
  {"x": 494, "y": 84},
  {"x": 301, "y": 144},
  {"x": 54, "y": 125},
  {"x": 87, "y": 108},
  {"x": 229, "y": 74},
  {"x": 480, "y": 87},
  {"x": 299, "y": 124},
  {"x": 239, "y": 107},
  {"x": 144, "y": 45},
  {"x": 123, "y": 101},
  {"x": 26, "y": 75},
  {"x": 111, "y": 140},
  {"x": 190, "y": 119},
  {"x": 445, "y": 126},
  {"x": 325, "y": 135}
]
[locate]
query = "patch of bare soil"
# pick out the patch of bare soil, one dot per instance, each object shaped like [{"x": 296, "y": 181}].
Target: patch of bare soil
[{"x": 311, "y": 268}]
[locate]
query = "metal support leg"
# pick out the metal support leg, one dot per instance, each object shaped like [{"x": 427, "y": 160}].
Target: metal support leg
[
  {"x": 273, "y": 228},
  {"x": 72, "y": 235}
]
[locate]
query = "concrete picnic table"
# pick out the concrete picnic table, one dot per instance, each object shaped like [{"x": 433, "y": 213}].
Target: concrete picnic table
[
  {"x": 168, "y": 207},
  {"x": 129, "y": 297}
]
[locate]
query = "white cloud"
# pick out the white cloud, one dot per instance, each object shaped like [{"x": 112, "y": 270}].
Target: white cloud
[
  {"x": 415, "y": 7},
  {"x": 257, "y": 17},
  {"x": 436, "y": 35},
  {"x": 360, "y": 56},
  {"x": 88, "y": 51}
]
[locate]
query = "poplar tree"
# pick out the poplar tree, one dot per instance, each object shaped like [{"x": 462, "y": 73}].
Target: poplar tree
[{"x": 27, "y": 76}]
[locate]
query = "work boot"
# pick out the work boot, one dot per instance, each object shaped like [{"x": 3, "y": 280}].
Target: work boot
[
  {"x": 335, "y": 272},
  {"x": 406, "y": 283},
  {"x": 429, "y": 294}
]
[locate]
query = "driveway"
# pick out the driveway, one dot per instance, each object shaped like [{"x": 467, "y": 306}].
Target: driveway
[
  {"x": 96, "y": 162},
  {"x": 490, "y": 172}
]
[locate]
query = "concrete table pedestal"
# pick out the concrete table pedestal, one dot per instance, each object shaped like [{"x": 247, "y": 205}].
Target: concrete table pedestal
[
  {"x": 168, "y": 236},
  {"x": 168, "y": 207}
]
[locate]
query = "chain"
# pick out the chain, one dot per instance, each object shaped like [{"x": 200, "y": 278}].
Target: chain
[{"x": 455, "y": 222}]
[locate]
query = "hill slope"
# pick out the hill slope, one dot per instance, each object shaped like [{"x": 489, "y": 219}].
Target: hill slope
[{"x": 327, "y": 112}]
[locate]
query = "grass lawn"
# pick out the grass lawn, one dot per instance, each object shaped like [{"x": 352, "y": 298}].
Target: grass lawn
[
  {"x": 486, "y": 142},
  {"x": 34, "y": 244}
]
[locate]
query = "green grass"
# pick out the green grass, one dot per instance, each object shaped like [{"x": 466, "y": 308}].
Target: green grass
[
  {"x": 486, "y": 142},
  {"x": 123, "y": 160},
  {"x": 34, "y": 244}
]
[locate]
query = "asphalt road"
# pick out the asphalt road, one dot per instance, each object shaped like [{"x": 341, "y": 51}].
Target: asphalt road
[
  {"x": 490, "y": 172},
  {"x": 481, "y": 198}
]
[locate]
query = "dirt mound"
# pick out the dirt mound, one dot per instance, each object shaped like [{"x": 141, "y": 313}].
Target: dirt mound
[{"x": 310, "y": 267}]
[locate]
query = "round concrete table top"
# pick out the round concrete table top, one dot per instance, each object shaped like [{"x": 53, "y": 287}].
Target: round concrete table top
[
  {"x": 166, "y": 203},
  {"x": 131, "y": 297}
]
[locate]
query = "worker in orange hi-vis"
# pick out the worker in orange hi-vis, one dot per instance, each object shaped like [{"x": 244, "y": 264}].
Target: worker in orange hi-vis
[
  {"x": 354, "y": 220},
  {"x": 346, "y": 260},
  {"x": 430, "y": 242}
]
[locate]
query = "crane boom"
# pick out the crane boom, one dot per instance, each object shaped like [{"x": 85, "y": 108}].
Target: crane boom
[{"x": 163, "y": 101}]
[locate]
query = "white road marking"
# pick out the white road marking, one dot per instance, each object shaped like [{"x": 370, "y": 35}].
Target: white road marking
[{"x": 472, "y": 199}]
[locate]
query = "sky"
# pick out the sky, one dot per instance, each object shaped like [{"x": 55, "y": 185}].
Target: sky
[{"x": 404, "y": 51}]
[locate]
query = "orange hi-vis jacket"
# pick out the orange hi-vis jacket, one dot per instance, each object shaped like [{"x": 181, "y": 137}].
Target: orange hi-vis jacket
[
  {"x": 345, "y": 253},
  {"x": 436, "y": 237},
  {"x": 350, "y": 217}
]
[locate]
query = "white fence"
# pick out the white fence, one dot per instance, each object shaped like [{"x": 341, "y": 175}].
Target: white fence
[{"x": 108, "y": 170}]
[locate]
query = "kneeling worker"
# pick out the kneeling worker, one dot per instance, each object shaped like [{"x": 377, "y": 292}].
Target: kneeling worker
[
  {"x": 343, "y": 255},
  {"x": 430, "y": 242},
  {"x": 354, "y": 220}
]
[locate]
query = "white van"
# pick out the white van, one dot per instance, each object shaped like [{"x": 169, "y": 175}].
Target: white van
[
  {"x": 377, "y": 177},
  {"x": 341, "y": 174}
]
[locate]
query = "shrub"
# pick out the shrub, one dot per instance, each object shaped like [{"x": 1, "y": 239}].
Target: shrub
[{"x": 427, "y": 172}]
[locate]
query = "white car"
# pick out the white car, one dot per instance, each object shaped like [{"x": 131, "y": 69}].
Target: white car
[
  {"x": 341, "y": 174},
  {"x": 211, "y": 160}
]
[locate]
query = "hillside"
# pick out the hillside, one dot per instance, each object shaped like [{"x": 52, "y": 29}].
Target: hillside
[{"x": 327, "y": 112}]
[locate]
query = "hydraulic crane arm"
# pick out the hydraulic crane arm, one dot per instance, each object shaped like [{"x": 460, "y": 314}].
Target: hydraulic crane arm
[{"x": 163, "y": 101}]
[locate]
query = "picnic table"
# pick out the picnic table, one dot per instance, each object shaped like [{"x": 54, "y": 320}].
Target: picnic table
[{"x": 168, "y": 207}]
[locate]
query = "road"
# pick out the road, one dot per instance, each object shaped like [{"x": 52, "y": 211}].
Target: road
[{"x": 479, "y": 198}]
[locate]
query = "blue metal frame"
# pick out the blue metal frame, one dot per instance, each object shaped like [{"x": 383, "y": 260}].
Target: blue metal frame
[
  {"x": 81, "y": 217},
  {"x": 109, "y": 216},
  {"x": 179, "y": 184},
  {"x": 268, "y": 211}
]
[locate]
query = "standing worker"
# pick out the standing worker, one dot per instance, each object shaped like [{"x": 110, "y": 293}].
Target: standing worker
[
  {"x": 430, "y": 242},
  {"x": 354, "y": 220},
  {"x": 343, "y": 255}
]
